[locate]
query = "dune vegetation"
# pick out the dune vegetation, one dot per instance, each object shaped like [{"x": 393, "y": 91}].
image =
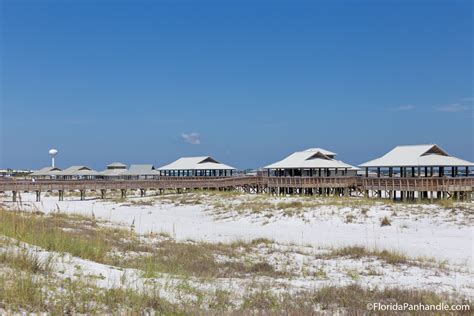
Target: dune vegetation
[{"x": 162, "y": 275}]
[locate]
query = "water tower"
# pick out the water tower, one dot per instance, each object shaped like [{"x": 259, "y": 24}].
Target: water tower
[{"x": 53, "y": 153}]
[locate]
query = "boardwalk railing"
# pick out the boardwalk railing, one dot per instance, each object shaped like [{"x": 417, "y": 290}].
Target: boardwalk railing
[
  {"x": 310, "y": 182},
  {"x": 440, "y": 184},
  {"x": 161, "y": 183},
  {"x": 446, "y": 184}
]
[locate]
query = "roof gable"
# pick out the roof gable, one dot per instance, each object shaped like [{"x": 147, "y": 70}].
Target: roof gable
[
  {"x": 435, "y": 149},
  {"x": 319, "y": 155},
  {"x": 209, "y": 159},
  {"x": 196, "y": 163},
  {"x": 312, "y": 158},
  {"x": 416, "y": 155},
  {"x": 46, "y": 171},
  {"x": 78, "y": 171},
  {"x": 324, "y": 151},
  {"x": 76, "y": 168}
]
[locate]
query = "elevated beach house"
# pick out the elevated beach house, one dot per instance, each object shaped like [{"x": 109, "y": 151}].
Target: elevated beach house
[
  {"x": 417, "y": 161},
  {"x": 312, "y": 162},
  {"x": 204, "y": 166}
]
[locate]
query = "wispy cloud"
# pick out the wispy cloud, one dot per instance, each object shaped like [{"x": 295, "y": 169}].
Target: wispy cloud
[
  {"x": 192, "y": 138},
  {"x": 453, "y": 108},
  {"x": 407, "y": 107}
]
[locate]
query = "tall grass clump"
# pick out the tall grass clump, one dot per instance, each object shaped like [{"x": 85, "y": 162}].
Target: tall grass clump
[
  {"x": 385, "y": 222},
  {"x": 56, "y": 233},
  {"x": 199, "y": 260},
  {"x": 26, "y": 261},
  {"x": 335, "y": 300},
  {"x": 22, "y": 293},
  {"x": 357, "y": 252},
  {"x": 446, "y": 203},
  {"x": 287, "y": 205}
]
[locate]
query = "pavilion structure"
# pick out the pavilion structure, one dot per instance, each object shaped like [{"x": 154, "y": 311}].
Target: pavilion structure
[
  {"x": 423, "y": 165},
  {"x": 313, "y": 166},
  {"x": 418, "y": 161},
  {"x": 203, "y": 166},
  {"x": 46, "y": 173},
  {"x": 114, "y": 170},
  {"x": 140, "y": 172},
  {"x": 312, "y": 162},
  {"x": 78, "y": 173}
]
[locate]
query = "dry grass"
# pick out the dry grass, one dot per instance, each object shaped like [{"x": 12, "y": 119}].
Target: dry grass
[
  {"x": 198, "y": 260},
  {"x": 331, "y": 300},
  {"x": 349, "y": 218},
  {"x": 446, "y": 203},
  {"x": 139, "y": 203},
  {"x": 356, "y": 252},
  {"x": 265, "y": 204},
  {"x": 292, "y": 205},
  {"x": 26, "y": 294},
  {"x": 23, "y": 292},
  {"x": 354, "y": 298},
  {"x": 33, "y": 288},
  {"x": 385, "y": 222},
  {"x": 83, "y": 237},
  {"x": 77, "y": 235},
  {"x": 26, "y": 261}
]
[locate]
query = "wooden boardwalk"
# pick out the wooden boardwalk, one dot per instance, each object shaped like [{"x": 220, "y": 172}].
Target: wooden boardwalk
[
  {"x": 439, "y": 184},
  {"x": 254, "y": 184}
]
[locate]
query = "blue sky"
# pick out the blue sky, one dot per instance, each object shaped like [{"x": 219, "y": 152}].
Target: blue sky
[{"x": 247, "y": 82}]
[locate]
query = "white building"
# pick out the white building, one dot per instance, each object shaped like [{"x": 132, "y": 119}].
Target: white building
[
  {"x": 140, "y": 172},
  {"x": 114, "y": 170},
  {"x": 418, "y": 160},
  {"x": 78, "y": 173},
  {"x": 196, "y": 167},
  {"x": 46, "y": 173},
  {"x": 312, "y": 162}
]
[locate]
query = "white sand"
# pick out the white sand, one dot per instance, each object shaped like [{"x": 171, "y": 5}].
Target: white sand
[{"x": 439, "y": 237}]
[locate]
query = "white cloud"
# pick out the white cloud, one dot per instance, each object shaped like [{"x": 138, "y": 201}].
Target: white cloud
[
  {"x": 407, "y": 107},
  {"x": 191, "y": 138},
  {"x": 453, "y": 108}
]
